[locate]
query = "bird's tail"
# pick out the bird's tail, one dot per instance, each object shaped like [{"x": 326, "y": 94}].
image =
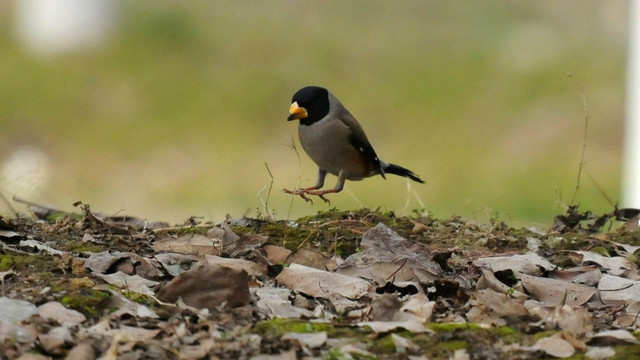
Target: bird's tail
[{"x": 400, "y": 171}]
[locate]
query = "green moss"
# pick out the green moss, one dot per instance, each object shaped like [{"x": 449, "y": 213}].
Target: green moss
[
  {"x": 78, "y": 246},
  {"x": 277, "y": 327},
  {"x": 543, "y": 334},
  {"x": 450, "y": 327},
  {"x": 629, "y": 237},
  {"x": 624, "y": 352},
  {"x": 600, "y": 250},
  {"x": 31, "y": 263},
  {"x": 46, "y": 275},
  {"x": 84, "y": 301},
  {"x": 452, "y": 345},
  {"x": 139, "y": 298},
  {"x": 6, "y": 262}
]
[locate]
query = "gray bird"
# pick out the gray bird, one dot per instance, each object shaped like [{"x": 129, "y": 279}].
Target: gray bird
[{"x": 336, "y": 142}]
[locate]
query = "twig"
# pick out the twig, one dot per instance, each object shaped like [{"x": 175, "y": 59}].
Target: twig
[
  {"x": 292, "y": 145},
  {"x": 584, "y": 139},
  {"x": 265, "y": 203}
]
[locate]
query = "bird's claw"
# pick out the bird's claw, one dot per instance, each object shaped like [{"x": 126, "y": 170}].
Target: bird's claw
[
  {"x": 302, "y": 192},
  {"x": 321, "y": 196}
]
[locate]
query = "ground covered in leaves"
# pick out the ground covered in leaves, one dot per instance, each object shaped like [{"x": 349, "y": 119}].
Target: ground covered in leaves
[{"x": 339, "y": 285}]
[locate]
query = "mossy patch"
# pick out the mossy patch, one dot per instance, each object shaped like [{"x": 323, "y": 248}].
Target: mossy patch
[{"x": 84, "y": 301}]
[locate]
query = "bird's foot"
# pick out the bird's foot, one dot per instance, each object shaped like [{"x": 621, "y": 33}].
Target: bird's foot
[
  {"x": 300, "y": 192},
  {"x": 320, "y": 194}
]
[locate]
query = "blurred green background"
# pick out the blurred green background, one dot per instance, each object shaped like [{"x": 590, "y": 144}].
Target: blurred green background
[{"x": 178, "y": 111}]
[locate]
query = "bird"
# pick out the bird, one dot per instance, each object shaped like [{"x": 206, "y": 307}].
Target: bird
[{"x": 336, "y": 142}]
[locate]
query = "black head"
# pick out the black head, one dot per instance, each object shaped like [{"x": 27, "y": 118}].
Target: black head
[{"x": 309, "y": 105}]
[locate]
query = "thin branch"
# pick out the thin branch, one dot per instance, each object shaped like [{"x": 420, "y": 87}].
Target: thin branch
[{"x": 584, "y": 139}]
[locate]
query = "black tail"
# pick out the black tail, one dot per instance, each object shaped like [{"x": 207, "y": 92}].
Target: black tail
[{"x": 399, "y": 170}]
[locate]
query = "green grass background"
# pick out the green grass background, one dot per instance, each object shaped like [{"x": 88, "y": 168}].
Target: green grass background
[{"x": 179, "y": 112}]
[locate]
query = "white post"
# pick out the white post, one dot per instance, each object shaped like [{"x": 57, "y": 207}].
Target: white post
[
  {"x": 631, "y": 161},
  {"x": 51, "y": 27}
]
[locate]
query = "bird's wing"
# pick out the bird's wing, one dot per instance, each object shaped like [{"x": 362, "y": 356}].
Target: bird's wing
[{"x": 358, "y": 139}]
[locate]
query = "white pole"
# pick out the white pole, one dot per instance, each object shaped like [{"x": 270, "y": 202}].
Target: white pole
[
  {"x": 631, "y": 161},
  {"x": 51, "y": 27}
]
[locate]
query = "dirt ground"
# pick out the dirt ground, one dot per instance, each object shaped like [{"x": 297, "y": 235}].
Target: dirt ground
[{"x": 361, "y": 284}]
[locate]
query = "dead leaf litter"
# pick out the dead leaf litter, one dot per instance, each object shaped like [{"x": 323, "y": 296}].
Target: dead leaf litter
[{"x": 337, "y": 285}]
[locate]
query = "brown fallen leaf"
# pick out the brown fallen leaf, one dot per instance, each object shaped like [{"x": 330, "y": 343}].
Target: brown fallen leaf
[
  {"x": 615, "y": 265},
  {"x": 554, "y": 292},
  {"x": 82, "y": 351},
  {"x": 126, "y": 282},
  {"x": 555, "y": 346},
  {"x": 208, "y": 286},
  {"x": 585, "y": 275},
  {"x": 194, "y": 244},
  {"x": 576, "y": 321},
  {"x": 252, "y": 268},
  {"x": 309, "y": 340},
  {"x": 319, "y": 283},
  {"x": 403, "y": 345},
  {"x": 387, "y": 256},
  {"x": 384, "y": 307},
  {"x": 53, "y": 310},
  {"x": 245, "y": 244},
  {"x": 530, "y": 263},
  {"x": 613, "y": 337},
  {"x": 485, "y": 311},
  {"x": 308, "y": 258},
  {"x": 489, "y": 281},
  {"x": 276, "y": 254},
  {"x": 615, "y": 288},
  {"x": 276, "y": 304},
  {"x": 55, "y": 340}
]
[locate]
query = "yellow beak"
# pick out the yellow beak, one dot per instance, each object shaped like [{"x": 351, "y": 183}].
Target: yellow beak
[{"x": 296, "y": 112}]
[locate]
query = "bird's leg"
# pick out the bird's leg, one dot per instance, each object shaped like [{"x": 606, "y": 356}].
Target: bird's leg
[
  {"x": 320, "y": 193},
  {"x": 302, "y": 191}
]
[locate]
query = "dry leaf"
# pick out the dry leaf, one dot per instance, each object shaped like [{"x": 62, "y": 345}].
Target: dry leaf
[
  {"x": 530, "y": 263},
  {"x": 485, "y": 311},
  {"x": 275, "y": 302},
  {"x": 489, "y": 281},
  {"x": 276, "y": 254},
  {"x": 309, "y": 340},
  {"x": 238, "y": 248},
  {"x": 176, "y": 264},
  {"x": 126, "y": 282},
  {"x": 208, "y": 286},
  {"x": 576, "y": 321},
  {"x": 387, "y": 256},
  {"x": 384, "y": 307},
  {"x": 285, "y": 355},
  {"x": 194, "y": 244},
  {"x": 614, "y": 288},
  {"x": 555, "y": 346},
  {"x": 54, "y": 341},
  {"x": 318, "y": 283},
  {"x": 82, "y": 351},
  {"x": 308, "y": 258},
  {"x": 613, "y": 337},
  {"x": 585, "y": 275},
  {"x": 15, "y": 310},
  {"x": 554, "y": 292},
  {"x": 616, "y": 265},
  {"x": 55, "y": 311},
  {"x": 253, "y": 269},
  {"x": 402, "y": 344}
]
